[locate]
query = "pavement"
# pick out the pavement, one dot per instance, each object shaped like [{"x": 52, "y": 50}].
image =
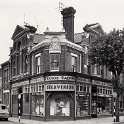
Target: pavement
[{"x": 106, "y": 120}]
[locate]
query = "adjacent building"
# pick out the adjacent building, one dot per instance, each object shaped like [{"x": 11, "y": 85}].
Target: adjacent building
[{"x": 53, "y": 74}]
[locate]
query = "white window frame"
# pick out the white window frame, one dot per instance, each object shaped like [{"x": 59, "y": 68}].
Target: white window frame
[
  {"x": 76, "y": 56},
  {"x": 52, "y": 70},
  {"x": 38, "y": 66}
]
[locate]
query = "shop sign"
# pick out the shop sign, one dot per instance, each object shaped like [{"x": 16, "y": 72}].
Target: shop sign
[
  {"x": 60, "y": 87},
  {"x": 101, "y": 83},
  {"x": 20, "y": 83},
  {"x": 83, "y": 80},
  {"x": 41, "y": 79},
  {"x": 53, "y": 78}
]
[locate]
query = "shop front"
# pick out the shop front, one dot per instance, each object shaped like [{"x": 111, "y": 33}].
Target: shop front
[
  {"x": 101, "y": 103},
  {"x": 60, "y": 101}
]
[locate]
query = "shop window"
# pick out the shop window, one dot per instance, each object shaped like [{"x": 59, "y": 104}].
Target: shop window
[
  {"x": 60, "y": 107},
  {"x": 38, "y": 105},
  {"x": 54, "y": 62},
  {"x": 82, "y": 105},
  {"x": 15, "y": 99},
  {"x": 26, "y": 97}
]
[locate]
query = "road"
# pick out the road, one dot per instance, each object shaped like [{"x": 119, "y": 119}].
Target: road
[{"x": 7, "y": 122}]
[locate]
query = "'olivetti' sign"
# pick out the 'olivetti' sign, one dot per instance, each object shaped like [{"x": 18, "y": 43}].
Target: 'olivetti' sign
[{"x": 60, "y": 87}]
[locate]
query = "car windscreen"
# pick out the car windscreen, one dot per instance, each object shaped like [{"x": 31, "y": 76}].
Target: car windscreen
[{"x": 3, "y": 107}]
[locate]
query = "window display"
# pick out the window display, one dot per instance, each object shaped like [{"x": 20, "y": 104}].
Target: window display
[
  {"x": 60, "y": 107},
  {"x": 38, "y": 105}
]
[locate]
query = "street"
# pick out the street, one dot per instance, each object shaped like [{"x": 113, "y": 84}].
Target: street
[
  {"x": 107, "y": 120},
  {"x": 7, "y": 122}
]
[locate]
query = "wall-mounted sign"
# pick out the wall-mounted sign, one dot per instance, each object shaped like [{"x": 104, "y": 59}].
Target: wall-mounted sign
[
  {"x": 35, "y": 80},
  {"x": 101, "y": 83},
  {"x": 60, "y": 87},
  {"x": 53, "y": 78},
  {"x": 20, "y": 83},
  {"x": 83, "y": 80}
]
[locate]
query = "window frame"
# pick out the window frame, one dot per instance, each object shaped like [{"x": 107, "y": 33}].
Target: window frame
[{"x": 56, "y": 63}]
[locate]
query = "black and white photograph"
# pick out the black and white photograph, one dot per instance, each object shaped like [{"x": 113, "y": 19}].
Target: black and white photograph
[{"x": 62, "y": 62}]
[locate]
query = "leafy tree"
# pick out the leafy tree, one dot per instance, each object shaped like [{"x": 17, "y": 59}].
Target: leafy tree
[{"x": 108, "y": 50}]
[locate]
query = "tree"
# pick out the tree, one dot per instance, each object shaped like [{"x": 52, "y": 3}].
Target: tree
[{"x": 108, "y": 50}]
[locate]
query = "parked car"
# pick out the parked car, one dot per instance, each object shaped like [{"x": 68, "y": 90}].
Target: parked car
[{"x": 4, "y": 112}]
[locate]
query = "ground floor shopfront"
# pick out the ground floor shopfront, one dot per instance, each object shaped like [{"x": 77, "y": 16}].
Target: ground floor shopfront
[{"x": 62, "y": 97}]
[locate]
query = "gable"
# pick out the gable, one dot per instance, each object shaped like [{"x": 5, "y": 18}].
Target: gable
[{"x": 18, "y": 30}]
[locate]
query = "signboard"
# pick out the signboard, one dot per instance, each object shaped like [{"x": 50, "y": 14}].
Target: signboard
[
  {"x": 101, "y": 83},
  {"x": 53, "y": 78},
  {"x": 60, "y": 87},
  {"x": 35, "y": 80},
  {"x": 79, "y": 79},
  {"x": 20, "y": 83}
]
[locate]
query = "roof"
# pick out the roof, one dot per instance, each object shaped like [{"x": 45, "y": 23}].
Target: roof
[
  {"x": 95, "y": 28},
  {"x": 19, "y": 30},
  {"x": 46, "y": 41}
]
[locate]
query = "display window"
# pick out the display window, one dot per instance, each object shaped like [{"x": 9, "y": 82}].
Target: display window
[
  {"x": 104, "y": 105},
  {"x": 60, "y": 107},
  {"x": 82, "y": 105},
  {"x": 38, "y": 105}
]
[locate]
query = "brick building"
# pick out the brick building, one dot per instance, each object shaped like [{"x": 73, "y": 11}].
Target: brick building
[{"x": 52, "y": 73}]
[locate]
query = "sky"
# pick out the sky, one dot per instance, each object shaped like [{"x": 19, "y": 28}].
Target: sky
[{"x": 46, "y": 13}]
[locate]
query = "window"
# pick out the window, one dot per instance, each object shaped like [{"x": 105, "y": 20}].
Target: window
[
  {"x": 54, "y": 59},
  {"x": 74, "y": 62},
  {"x": 77, "y": 88},
  {"x": 81, "y": 88},
  {"x": 37, "y": 64}
]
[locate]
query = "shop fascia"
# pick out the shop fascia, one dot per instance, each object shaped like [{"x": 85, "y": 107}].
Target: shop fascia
[
  {"x": 60, "y": 87},
  {"x": 53, "y": 78}
]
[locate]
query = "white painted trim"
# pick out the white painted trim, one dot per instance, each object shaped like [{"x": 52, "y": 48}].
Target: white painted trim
[
  {"x": 54, "y": 70},
  {"x": 37, "y": 55},
  {"x": 75, "y": 55},
  {"x": 6, "y": 91}
]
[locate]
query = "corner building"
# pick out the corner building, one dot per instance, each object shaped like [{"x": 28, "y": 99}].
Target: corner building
[{"x": 52, "y": 72}]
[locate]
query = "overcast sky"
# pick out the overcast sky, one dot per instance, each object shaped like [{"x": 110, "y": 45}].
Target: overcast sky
[{"x": 45, "y": 13}]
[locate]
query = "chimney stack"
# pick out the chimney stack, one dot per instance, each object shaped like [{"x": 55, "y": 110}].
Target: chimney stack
[{"x": 68, "y": 22}]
